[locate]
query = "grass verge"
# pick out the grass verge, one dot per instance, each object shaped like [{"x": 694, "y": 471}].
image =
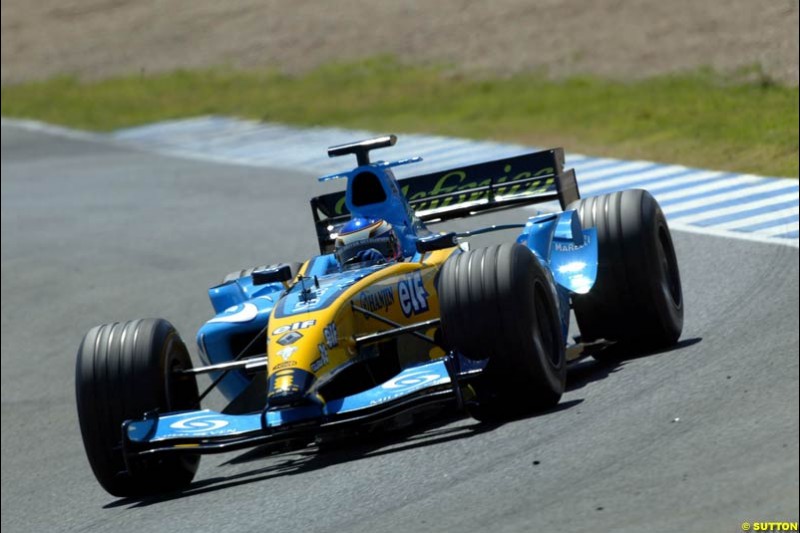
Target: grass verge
[{"x": 698, "y": 119}]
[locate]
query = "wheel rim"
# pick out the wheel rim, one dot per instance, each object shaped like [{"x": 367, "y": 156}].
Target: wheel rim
[
  {"x": 180, "y": 389},
  {"x": 181, "y": 392},
  {"x": 670, "y": 278},
  {"x": 544, "y": 336}
]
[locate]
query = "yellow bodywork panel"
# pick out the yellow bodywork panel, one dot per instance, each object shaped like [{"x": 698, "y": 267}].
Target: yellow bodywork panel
[{"x": 324, "y": 340}]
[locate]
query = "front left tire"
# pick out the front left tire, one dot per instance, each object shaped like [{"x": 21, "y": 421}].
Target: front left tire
[
  {"x": 124, "y": 370},
  {"x": 499, "y": 303}
]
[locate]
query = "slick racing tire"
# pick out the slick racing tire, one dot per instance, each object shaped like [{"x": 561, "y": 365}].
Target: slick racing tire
[
  {"x": 499, "y": 303},
  {"x": 637, "y": 299},
  {"x": 125, "y": 370},
  {"x": 236, "y": 274}
]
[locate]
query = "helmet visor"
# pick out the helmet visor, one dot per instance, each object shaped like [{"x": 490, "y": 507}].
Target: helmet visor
[{"x": 367, "y": 250}]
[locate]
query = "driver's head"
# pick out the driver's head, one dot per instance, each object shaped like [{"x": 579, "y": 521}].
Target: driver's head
[{"x": 367, "y": 240}]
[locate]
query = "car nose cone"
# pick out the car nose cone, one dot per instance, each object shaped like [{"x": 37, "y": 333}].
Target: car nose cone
[{"x": 288, "y": 386}]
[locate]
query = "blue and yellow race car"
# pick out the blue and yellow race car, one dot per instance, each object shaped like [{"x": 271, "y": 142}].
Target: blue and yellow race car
[{"x": 390, "y": 319}]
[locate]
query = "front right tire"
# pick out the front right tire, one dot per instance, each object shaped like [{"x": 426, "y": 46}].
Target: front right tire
[{"x": 637, "y": 299}]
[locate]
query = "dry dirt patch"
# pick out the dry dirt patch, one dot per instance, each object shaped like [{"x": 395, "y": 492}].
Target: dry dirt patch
[{"x": 613, "y": 38}]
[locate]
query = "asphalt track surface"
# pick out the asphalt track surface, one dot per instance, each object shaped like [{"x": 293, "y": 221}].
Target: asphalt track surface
[{"x": 699, "y": 438}]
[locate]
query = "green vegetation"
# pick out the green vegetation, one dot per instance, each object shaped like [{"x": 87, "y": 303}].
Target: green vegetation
[{"x": 700, "y": 119}]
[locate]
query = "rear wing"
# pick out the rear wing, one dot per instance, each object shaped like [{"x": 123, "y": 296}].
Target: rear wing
[{"x": 459, "y": 192}]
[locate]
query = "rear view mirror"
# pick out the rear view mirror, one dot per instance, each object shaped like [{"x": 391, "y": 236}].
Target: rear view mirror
[
  {"x": 281, "y": 273},
  {"x": 436, "y": 242}
]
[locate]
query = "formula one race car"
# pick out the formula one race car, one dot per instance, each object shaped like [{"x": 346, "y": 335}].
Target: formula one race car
[{"x": 391, "y": 319}]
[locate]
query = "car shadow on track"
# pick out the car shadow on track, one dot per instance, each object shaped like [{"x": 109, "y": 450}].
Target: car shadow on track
[
  {"x": 446, "y": 427},
  {"x": 589, "y": 370}
]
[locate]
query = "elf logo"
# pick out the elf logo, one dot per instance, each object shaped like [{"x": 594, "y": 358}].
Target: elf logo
[
  {"x": 412, "y": 294},
  {"x": 294, "y": 327}
]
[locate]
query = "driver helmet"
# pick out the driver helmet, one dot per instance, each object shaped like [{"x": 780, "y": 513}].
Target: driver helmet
[{"x": 367, "y": 240}]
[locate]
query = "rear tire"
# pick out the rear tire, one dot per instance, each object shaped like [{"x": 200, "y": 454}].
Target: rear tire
[
  {"x": 237, "y": 274},
  {"x": 123, "y": 371},
  {"x": 637, "y": 299},
  {"x": 499, "y": 303}
]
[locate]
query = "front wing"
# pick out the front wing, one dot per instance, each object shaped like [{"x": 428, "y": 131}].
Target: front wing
[{"x": 206, "y": 431}]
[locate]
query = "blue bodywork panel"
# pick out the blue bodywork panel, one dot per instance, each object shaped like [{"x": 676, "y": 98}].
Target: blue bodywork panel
[
  {"x": 569, "y": 251},
  {"x": 243, "y": 310}
]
